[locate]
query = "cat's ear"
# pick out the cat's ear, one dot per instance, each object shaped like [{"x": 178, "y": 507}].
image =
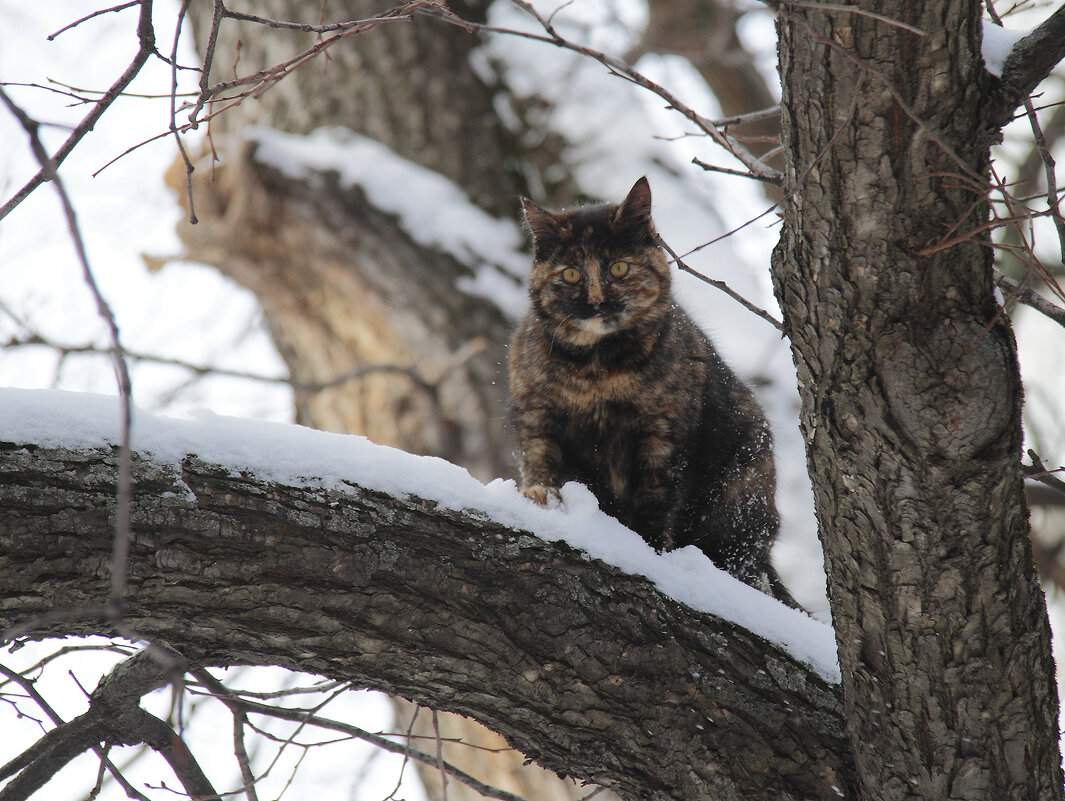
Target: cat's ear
[
  {"x": 542, "y": 225},
  {"x": 635, "y": 210}
]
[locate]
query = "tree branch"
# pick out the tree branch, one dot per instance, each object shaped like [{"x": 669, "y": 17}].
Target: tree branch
[
  {"x": 240, "y": 707},
  {"x": 1015, "y": 290},
  {"x": 114, "y": 716},
  {"x": 590, "y": 671},
  {"x": 1030, "y": 61},
  {"x": 146, "y": 35}
]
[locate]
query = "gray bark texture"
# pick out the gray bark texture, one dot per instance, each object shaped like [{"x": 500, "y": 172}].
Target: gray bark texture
[
  {"x": 911, "y": 404},
  {"x": 589, "y": 671}
]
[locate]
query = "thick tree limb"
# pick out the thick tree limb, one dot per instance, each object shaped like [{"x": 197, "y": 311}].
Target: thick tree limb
[
  {"x": 589, "y": 671},
  {"x": 1030, "y": 61}
]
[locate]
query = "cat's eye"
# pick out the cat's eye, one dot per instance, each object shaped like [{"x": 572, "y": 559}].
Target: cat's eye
[
  {"x": 571, "y": 275},
  {"x": 619, "y": 269}
]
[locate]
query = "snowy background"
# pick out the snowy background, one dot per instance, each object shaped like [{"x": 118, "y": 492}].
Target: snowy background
[{"x": 189, "y": 312}]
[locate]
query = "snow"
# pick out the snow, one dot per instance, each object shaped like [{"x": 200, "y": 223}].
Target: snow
[
  {"x": 431, "y": 209},
  {"x": 997, "y": 44},
  {"x": 298, "y": 456}
]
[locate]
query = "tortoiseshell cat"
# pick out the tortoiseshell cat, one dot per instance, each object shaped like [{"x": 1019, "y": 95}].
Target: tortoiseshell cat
[{"x": 615, "y": 387}]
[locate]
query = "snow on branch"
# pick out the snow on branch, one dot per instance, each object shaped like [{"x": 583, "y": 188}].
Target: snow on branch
[
  {"x": 430, "y": 208},
  {"x": 1028, "y": 62},
  {"x": 265, "y": 544},
  {"x": 299, "y": 457}
]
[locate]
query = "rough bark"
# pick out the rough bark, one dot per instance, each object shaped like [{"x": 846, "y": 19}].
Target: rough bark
[
  {"x": 588, "y": 670},
  {"x": 911, "y": 405}
]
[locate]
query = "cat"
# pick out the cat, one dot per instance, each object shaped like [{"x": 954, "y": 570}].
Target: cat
[{"x": 613, "y": 386}]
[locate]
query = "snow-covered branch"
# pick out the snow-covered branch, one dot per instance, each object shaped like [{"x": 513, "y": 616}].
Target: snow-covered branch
[
  {"x": 1030, "y": 61},
  {"x": 588, "y": 669}
]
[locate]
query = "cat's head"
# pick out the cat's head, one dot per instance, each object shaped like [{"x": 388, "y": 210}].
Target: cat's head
[{"x": 597, "y": 270}]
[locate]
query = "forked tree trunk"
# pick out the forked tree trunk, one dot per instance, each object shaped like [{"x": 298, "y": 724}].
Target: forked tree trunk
[{"x": 911, "y": 404}]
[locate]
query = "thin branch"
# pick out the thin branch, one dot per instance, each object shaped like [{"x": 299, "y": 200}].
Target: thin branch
[
  {"x": 729, "y": 171},
  {"x": 154, "y": 732},
  {"x": 618, "y": 67},
  {"x": 309, "y": 718},
  {"x": 146, "y": 36},
  {"x": 261, "y": 79},
  {"x": 173, "y": 111},
  {"x": 723, "y": 286},
  {"x": 440, "y": 756},
  {"x": 240, "y": 721},
  {"x": 743, "y": 119},
  {"x": 1050, "y": 174},
  {"x": 1037, "y": 471},
  {"x": 120, "y": 554},
  {"x": 208, "y": 60},
  {"x": 94, "y": 14},
  {"x": 331, "y": 27}
]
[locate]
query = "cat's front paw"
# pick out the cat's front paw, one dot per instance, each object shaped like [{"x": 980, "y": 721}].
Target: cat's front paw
[{"x": 539, "y": 494}]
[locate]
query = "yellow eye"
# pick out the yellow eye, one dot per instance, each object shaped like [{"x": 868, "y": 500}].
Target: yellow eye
[
  {"x": 571, "y": 275},
  {"x": 619, "y": 269}
]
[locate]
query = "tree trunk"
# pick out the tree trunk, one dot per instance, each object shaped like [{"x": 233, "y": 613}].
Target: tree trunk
[
  {"x": 587, "y": 669},
  {"x": 911, "y": 404}
]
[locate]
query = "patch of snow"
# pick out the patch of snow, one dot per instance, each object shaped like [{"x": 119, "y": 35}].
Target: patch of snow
[
  {"x": 299, "y": 456},
  {"x": 997, "y": 45},
  {"x": 433, "y": 210}
]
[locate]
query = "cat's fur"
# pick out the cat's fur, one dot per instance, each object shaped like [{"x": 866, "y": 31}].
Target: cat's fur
[{"x": 615, "y": 387}]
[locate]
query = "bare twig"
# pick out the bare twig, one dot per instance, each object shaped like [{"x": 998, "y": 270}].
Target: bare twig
[
  {"x": 744, "y": 119},
  {"x": 173, "y": 111},
  {"x": 723, "y": 287},
  {"x": 308, "y": 717},
  {"x": 1050, "y": 173},
  {"x": 240, "y": 721},
  {"x": 146, "y": 36},
  {"x": 440, "y": 756},
  {"x": 263, "y": 78},
  {"x": 729, "y": 171},
  {"x": 120, "y": 553},
  {"x": 756, "y": 166},
  {"x": 94, "y": 14}
]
